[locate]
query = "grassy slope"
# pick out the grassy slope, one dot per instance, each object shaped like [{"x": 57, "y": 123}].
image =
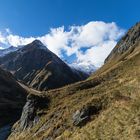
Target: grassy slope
[{"x": 115, "y": 87}]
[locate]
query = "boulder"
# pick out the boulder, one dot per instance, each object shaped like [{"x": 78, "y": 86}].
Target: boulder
[{"x": 82, "y": 116}]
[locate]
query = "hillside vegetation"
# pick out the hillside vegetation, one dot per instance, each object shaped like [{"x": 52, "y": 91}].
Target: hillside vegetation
[{"x": 104, "y": 107}]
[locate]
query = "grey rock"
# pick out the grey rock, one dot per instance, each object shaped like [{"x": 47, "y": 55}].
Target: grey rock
[
  {"x": 82, "y": 116},
  {"x": 29, "y": 115}
]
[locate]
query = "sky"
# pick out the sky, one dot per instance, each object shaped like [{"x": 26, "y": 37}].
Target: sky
[{"x": 82, "y": 32}]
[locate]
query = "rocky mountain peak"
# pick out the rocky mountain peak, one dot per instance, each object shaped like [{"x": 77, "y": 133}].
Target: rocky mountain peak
[
  {"x": 30, "y": 65},
  {"x": 35, "y": 45}
]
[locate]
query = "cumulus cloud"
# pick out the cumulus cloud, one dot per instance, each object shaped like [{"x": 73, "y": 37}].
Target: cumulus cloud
[
  {"x": 56, "y": 40},
  {"x": 96, "y": 54},
  {"x": 16, "y": 40},
  {"x": 91, "y": 43}
]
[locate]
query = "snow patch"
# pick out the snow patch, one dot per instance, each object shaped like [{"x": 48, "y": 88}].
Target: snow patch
[{"x": 85, "y": 67}]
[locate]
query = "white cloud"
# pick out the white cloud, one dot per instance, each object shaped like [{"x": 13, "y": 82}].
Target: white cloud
[
  {"x": 2, "y": 39},
  {"x": 16, "y": 40},
  {"x": 1, "y": 48},
  {"x": 97, "y": 54},
  {"x": 97, "y": 38},
  {"x": 56, "y": 40}
]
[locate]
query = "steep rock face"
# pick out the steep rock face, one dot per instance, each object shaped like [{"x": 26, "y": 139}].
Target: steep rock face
[
  {"x": 127, "y": 43},
  {"x": 29, "y": 115},
  {"x": 39, "y": 67},
  {"x": 12, "y": 98}
]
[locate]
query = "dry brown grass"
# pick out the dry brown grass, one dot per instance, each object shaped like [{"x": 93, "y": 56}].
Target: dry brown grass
[{"x": 116, "y": 87}]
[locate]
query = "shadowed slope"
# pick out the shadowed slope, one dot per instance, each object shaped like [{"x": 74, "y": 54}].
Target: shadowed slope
[{"x": 12, "y": 98}]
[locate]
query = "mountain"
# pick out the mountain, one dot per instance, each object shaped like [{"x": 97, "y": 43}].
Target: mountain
[
  {"x": 3, "y": 52},
  {"x": 105, "y": 106},
  {"x": 38, "y": 67}
]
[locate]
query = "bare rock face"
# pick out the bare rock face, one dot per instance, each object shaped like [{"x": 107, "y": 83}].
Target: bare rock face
[
  {"x": 38, "y": 67},
  {"x": 29, "y": 115},
  {"x": 126, "y": 43}
]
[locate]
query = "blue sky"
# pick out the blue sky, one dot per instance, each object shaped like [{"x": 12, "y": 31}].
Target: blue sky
[
  {"x": 82, "y": 32},
  {"x": 35, "y": 17}
]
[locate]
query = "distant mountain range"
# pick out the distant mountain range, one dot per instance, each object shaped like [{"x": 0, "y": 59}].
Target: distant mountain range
[
  {"x": 88, "y": 68},
  {"x": 3, "y": 52}
]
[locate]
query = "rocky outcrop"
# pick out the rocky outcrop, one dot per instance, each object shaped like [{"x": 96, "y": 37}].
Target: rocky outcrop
[
  {"x": 82, "y": 116},
  {"x": 29, "y": 115}
]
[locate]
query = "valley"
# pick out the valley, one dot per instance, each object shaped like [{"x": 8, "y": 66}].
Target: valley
[{"x": 67, "y": 104}]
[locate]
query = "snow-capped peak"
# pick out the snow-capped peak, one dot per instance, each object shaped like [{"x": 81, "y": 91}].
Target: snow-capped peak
[{"x": 85, "y": 67}]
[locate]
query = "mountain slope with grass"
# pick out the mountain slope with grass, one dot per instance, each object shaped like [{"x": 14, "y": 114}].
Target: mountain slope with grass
[{"x": 104, "y": 107}]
